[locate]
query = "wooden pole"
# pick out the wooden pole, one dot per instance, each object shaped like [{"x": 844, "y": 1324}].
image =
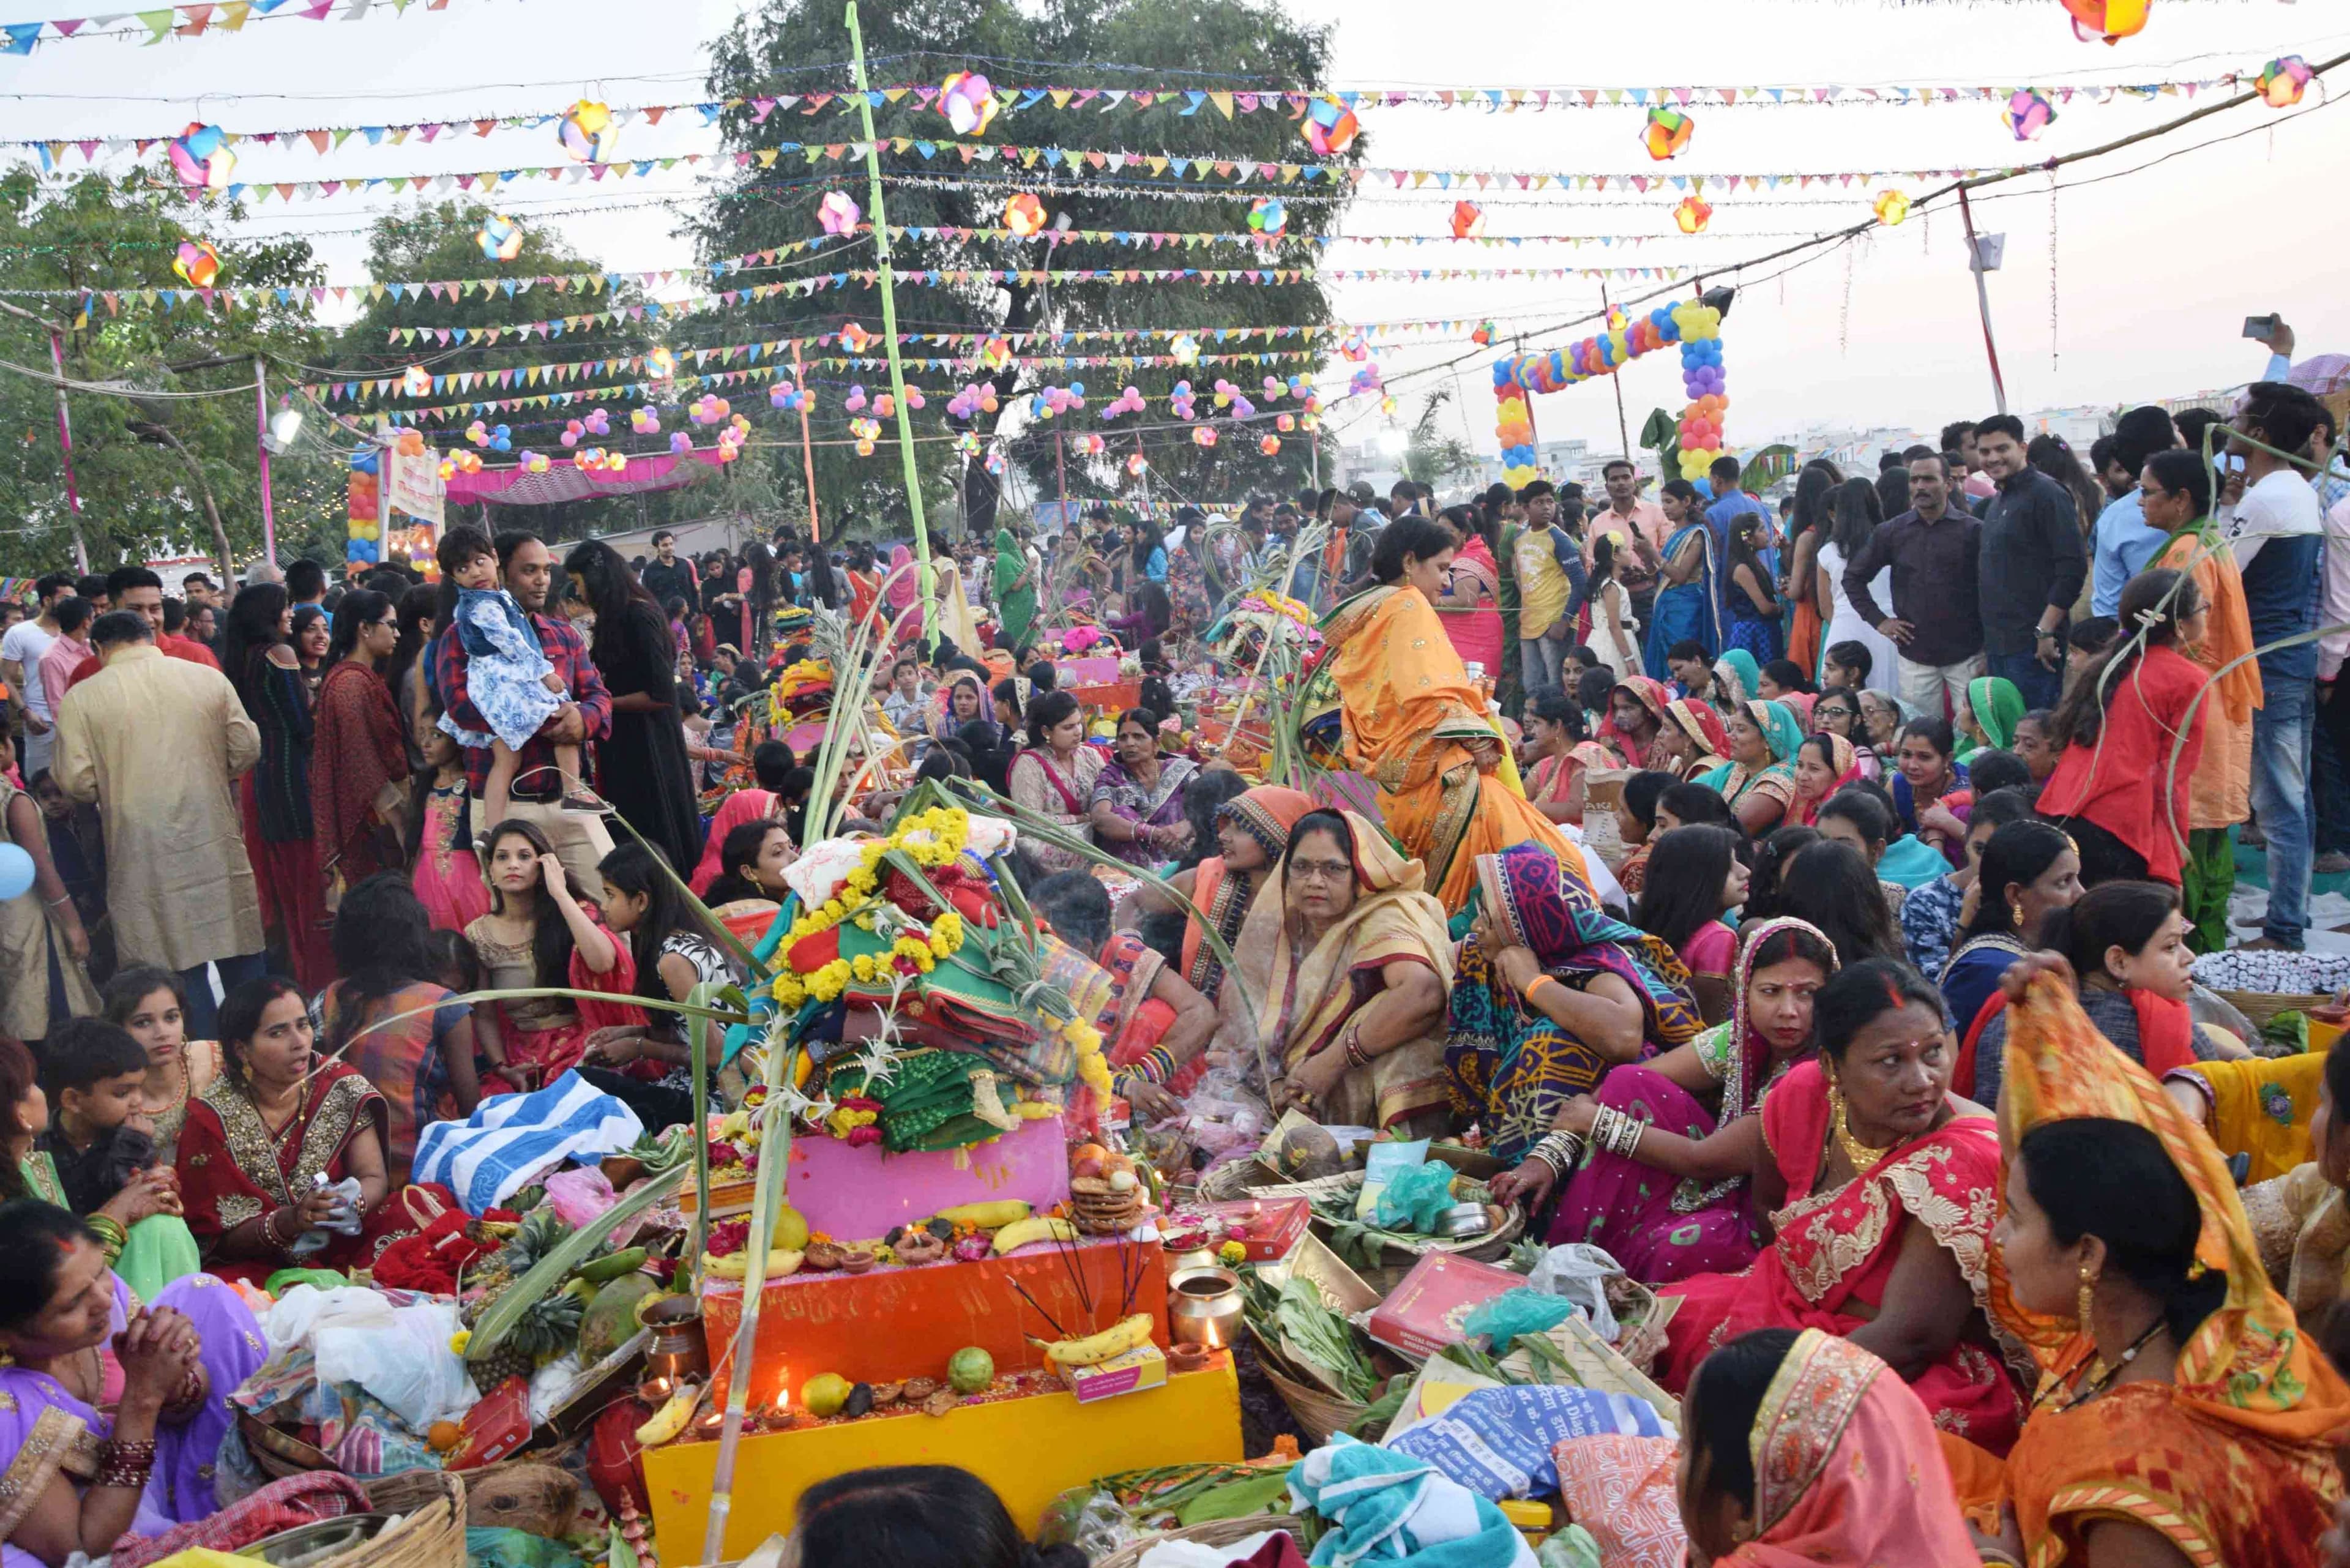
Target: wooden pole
[
  {"x": 65, "y": 453},
  {"x": 1982, "y": 300},
  {"x": 880, "y": 216},
  {"x": 1623, "y": 429},
  {"x": 807, "y": 450}
]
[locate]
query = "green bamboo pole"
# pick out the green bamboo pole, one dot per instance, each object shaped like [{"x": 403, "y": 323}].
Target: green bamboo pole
[{"x": 880, "y": 217}]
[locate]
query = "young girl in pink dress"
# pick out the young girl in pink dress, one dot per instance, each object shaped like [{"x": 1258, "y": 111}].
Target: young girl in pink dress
[{"x": 448, "y": 877}]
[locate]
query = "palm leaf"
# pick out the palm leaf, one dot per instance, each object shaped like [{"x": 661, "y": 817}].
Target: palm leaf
[{"x": 549, "y": 1273}]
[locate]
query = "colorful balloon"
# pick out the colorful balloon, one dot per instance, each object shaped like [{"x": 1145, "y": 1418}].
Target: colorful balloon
[
  {"x": 1692, "y": 215},
  {"x": 500, "y": 238},
  {"x": 200, "y": 156},
  {"x": 1268, "y": 216},
  {"x": 2028, "y": 114},
  {"x": 1667, "y": 132},
  {"x": 2283, "y": 81},
  {"x": 588, "y": 132},
  {"x": 197, "y": 263},
  {"x": 2112, "y": 20},
  {"x": 968, "y": 101}
]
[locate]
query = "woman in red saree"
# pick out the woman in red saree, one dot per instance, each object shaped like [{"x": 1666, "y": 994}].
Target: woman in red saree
[
  {"x": 1557, "y": 756},
  {"x": 1881, "y": 1188},
  {"x": 258, "y": 1139},
  {"x": 1634, "y": 727},
  {"x": 358, "y": 755}
]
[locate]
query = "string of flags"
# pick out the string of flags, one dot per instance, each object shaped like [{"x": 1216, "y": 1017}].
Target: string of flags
[{"x": 192, "y": 21}]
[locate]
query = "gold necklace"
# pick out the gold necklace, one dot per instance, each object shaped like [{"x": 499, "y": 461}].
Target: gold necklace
[{"x": 1858, "y": 1155}]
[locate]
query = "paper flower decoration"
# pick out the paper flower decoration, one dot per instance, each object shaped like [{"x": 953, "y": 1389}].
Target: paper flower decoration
[
  {"x": 1023, "y": 214},
  {"x": 416, "y": 382},
  {"x": 200, "y": 156},
  {"x": 1468, "y": 220},
  {"x": 1268, "y": 217},
  {"x": 1692, "y": 215},
  {"x": 2028, "y": 114},
  {"x": 1483, "y": 335},
  {"x": 1892, "y": 206},
  {"x": 2112, "y": 20},
  {"x": 838, "y": 213},
  {"x": 968, "y": 101},
  {"x": 2282, "y": 82},
  {"x": 1330, "y": 127},
  {"x": 1204, "y": 436},
  {"x": 197, "y": 263},
  {"x": 1137, "y": 465},
  {"x": 996, "y": 353},
  {"x": 500, "y": 238},
  {"x": 587, "y": 132},
  {"x": 661, "y": 363},
  {"x": 1185, "y": 350},
  {"x": 1666, "y": 133},
  {"x": 1269, "y": 445},
  {"x": 855, "y": 338}
]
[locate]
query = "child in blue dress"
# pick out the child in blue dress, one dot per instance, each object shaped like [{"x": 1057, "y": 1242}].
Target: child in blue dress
[{"x": 508, "y": 677}]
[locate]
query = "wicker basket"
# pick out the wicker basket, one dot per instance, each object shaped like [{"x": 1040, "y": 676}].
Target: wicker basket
[
  {"x": 1494, "y": 1244},
  {"x": 2260, "y": 1006},
  {"x": 277, "y": 1451},
  {"x": 522, "y": 1494},
  {"x": 1215, "y": 1533},
  {"x": 431, "y": 1535},
  {"x": 1319, "y": 1412}
]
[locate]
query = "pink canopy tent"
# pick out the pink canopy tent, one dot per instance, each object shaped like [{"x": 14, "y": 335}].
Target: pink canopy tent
[{"x": 566, "y": 480}]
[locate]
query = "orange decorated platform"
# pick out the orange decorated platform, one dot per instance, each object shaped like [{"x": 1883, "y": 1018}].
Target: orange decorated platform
[
  {"x": 892, "y": 1323},
  {"x": 1030, "y": 1450}
]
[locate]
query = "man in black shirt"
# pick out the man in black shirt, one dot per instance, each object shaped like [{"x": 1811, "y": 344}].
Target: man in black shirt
[
  {"x": 2032, "y": 565},
  {"x": 667, "y": 577},
  {"x": 1935, "y": 623}
]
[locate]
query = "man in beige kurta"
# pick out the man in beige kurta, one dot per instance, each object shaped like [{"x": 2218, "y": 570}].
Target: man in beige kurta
[{"x": 157, "y": 743}]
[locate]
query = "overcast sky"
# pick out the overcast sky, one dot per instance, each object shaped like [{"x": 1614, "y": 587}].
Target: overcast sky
[{"x": 2154, "y": 271}]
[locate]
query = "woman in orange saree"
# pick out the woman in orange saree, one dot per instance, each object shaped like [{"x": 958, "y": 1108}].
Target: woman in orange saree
[
  {"x": 2180, "y": 1404},
  {"x": 1414, "y": 726},
  {"x": 1881, "y": 1187}
]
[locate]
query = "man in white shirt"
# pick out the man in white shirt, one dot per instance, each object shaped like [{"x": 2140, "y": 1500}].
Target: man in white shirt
[
  {"x": 20, "y": 664},
  {"x": 1645, "y": 529}
]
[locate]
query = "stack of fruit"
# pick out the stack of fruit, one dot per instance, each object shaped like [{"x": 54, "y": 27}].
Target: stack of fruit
[{"x": 1106, "y": 1194}]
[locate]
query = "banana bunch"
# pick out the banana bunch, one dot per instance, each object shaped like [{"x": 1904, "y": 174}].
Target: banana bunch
[
  {"x": 781, "y": 1261},
  {"x": 989, "y": 1216},
  {"x": 1116, "y": 1340},
  {"x": 1021, "y": 1232},
  {"x": 669, "y": 1420}
]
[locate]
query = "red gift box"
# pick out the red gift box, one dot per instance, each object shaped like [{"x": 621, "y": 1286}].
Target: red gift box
[
  {"x": 1268, "y": 1228},
  {"x": 1424, "y": 1313},
  {"x": 496, "y": 1428}
]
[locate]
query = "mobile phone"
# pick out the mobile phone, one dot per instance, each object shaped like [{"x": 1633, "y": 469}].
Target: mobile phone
[{"x": 2260, "y": 328}]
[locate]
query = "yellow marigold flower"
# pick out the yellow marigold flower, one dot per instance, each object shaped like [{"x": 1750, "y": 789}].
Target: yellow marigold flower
[{"x": 460, "y": 1340}]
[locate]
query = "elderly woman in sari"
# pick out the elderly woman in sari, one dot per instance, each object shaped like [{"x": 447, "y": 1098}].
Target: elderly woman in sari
[
  {"x": 1880, "y": 1186},
  {"x": 2185, "y": 1416},
  {"x": 1551, "y": 993},
  {"x": 1759, "y": 779},
  {"x": 1414, "y": 725},
  {"x": 1675, "y": 1204},
  {"x": 1349, "y": 962},
  {"x": 1253, "y": 831},
  {"x": 111, "y": 1411},
  {"x": 1137, "y": 798}
]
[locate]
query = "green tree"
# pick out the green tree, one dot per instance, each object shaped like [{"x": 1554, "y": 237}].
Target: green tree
[
  {"x": 165, "y": 459},
  {"x": 1432, "y": 455},
  {"x": 1248, "y": 42}
]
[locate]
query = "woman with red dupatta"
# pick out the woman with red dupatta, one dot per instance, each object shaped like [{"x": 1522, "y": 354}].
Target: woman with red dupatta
[
  {"x": 1881, "y": 1188},
  {"x": 1634, "y": 727},
  {"x": 260, "y": 1138},
  {"x": 358, "y": 759}
]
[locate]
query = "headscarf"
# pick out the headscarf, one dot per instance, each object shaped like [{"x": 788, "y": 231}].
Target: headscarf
[
  {"x": 1848, "y": 1466},
  {"x": 1844, "y": 760},
  {"x": 1738, "y": 675},
  {"x": 1553, "y": 914},
  {"x": 1781, "y": 731},
  {"x": 902, "y": 589},
  {"x": 1750, "y": 1054},
  {"x": 1799, "y": 704},
  {"x": 1653, "y": 695},
  {"x": 1266, "y": 813},
  {"x": 1704, "y": 726},
  {"x": 2248, "y": 1364},
  {"x": 1997, "y": 706}
]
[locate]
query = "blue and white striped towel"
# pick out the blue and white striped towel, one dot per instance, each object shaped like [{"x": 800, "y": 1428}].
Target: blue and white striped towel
[{"x": 510, "y": 1139}]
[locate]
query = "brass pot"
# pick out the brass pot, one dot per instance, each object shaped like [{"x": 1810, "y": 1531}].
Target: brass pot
[{"x": 1204, "y": 1306}]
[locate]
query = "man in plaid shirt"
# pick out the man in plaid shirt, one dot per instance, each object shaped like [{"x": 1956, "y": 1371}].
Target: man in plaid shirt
[{"x": 526, "y": 570}]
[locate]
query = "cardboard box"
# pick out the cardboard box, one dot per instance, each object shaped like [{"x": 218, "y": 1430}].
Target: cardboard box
[
  {"x": 1144, "y": 1367},
  {"x": 1424, "y": 1313},
  {"x": 497, "y": 1427},
  {"x": 1274, "y": 1225}
]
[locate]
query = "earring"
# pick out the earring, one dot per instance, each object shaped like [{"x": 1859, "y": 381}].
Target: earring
[
  {"x": 2085, "y": 1306},
  {"x": 2015, "y": 909}
]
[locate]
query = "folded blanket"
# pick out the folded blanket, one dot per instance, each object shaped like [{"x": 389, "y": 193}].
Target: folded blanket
[
  {"x": 510, "y": 1139},
  {"x": 1386, "y": 1507}
]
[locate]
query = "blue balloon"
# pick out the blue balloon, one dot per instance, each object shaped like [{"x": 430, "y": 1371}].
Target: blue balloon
[
  {"x": 1076, "y": 388},
  {"x": 16, "y": 872}
]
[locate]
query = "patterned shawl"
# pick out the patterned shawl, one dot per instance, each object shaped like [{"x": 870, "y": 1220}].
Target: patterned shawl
[
  {"x": 2248, "y": 1364},
  {"x": 1703, "y": 725},
  {"x": 1844, "y": 760},
  {"x": 1738, "y": 674}
]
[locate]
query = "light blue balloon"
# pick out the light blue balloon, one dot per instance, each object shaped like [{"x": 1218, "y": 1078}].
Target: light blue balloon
[{"x": 16, "y": 872}]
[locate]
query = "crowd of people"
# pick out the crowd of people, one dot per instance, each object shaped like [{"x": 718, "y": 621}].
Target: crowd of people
[{"x": 1778, "y": 911}]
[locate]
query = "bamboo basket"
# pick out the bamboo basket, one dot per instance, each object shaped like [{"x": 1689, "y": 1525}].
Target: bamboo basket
[
  {"x": 1235, "y": 1179},
  {"x": 1319, "y": 1412},
  {"x": 1492, "y": 1245},
  {"x": 2260, "y": 1006},
  {"x": 432, "y": 1534},
  {"x": 1215, "y": 1533}
]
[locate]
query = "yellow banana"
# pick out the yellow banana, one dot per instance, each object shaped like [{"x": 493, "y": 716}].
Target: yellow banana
[
  {"x": 987, "y": 1216},
  {"x": 671, "y": 1419},
  {"x": 1115, "y": 1340},
  {"x": 1022, "y": 1232},
  {"x": 781, "y": 1261}
]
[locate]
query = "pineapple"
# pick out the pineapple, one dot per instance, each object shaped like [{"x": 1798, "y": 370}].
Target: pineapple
[
  {"x": 533, "y": 1239},
  {"x": 547, "y": 1327}
]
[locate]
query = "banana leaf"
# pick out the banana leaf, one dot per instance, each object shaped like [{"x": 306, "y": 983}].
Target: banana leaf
[{"x": 549, "y": 1273}]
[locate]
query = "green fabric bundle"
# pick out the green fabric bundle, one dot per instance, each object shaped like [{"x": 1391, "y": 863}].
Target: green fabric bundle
[{"x": 929, "y": 1099}]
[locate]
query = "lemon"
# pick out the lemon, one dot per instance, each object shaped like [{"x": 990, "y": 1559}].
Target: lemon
[
  {"x": 825, "y": 1394},
  {"x": 791, "y": 1232}
]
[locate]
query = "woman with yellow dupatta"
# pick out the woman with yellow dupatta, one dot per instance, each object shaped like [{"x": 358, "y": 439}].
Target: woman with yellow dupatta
[
  {"x": 1349, "y": 963},
  {"x": 2182, "y": 1417},
  {"x": 1414, "y": 725},
  {"x": 2176, "y": 495}
]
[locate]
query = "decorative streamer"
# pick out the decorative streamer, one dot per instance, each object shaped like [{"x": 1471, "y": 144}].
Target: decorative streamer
[
  {"x": 2052, "y": 272},
  {"x": 193, "y": 21},
  {"x": 1844, "y": 310}
]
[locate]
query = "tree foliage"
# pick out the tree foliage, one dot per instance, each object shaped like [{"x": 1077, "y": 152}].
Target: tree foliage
[
  {"x": 1432, "y": 455},
  {"x": 1247, "y": 42}
]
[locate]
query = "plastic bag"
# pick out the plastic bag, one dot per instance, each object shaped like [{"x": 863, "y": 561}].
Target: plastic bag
[
  {"x": 1571, "y": 1547},
  {"x": 401, "y": 1358},
  {"x": 579, "y": 1195},
  {"x": 1415, "y": 1199},
  {"x": 1579, "y": 1272},
  {"x": 1088, "y": 1519},
  {"x": 1504, "y": 1317}
]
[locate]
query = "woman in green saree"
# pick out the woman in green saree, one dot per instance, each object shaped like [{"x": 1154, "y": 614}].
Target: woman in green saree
[{"x": 1016, "y": 591}]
